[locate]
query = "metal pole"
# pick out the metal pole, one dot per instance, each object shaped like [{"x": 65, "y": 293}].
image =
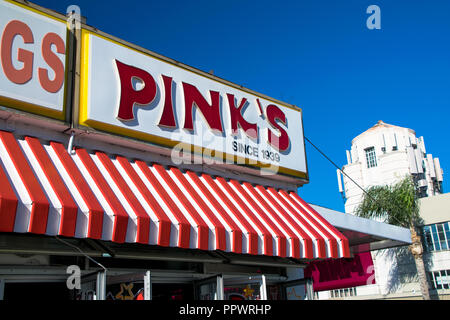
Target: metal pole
[
  {"x": 2, "y": 288},
  {"x": 101, "y": 285},
  {"x": 309, "y": 289},
  {"x": 263, "y": 288},
  {"x": 219, "y": 287},
  {"x": 147, "y": 286}
]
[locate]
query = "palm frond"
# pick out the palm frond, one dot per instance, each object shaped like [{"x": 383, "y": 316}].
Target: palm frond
[{"x": 394, "y": 204}]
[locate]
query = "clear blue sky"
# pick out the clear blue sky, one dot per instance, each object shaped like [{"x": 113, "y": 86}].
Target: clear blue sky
[{"x": 318, "y": 55}]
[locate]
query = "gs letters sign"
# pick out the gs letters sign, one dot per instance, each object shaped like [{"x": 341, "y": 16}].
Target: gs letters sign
[
  {"x": 32, "y": 60},
  {"x": 134, "y": 93}
]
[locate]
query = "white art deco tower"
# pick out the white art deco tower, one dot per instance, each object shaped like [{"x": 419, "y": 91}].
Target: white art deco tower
[{"x": 383, "y": 155}]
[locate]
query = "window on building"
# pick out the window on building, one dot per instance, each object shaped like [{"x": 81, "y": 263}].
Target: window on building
[
  {"x": 395, "y": 147},
  {"x": 436, "y": 237},
  {"x": 439, "y": 279},
  {"x": 342, "y": 293},
  {"x": 371, "y": 157}
]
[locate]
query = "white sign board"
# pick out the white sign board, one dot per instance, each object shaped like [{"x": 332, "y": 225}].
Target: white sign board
[
  {"x": 132, "y": 93},
  {"x": 32, "y": 60}
]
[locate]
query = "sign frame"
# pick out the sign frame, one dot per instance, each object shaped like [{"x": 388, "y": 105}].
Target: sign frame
[
  {"x": 18, "y": 106},
  {"x": 81, "y": 121}
]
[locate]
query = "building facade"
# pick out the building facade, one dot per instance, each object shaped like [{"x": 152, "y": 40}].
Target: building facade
[
  {"x": 435, "y": 212},
  {"x": 383, "y": 155}
]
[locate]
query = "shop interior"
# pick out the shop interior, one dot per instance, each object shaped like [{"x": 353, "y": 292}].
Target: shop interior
[{"x": 37, "y": 266}]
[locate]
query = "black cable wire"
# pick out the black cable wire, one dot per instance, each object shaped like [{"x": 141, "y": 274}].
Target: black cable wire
[
  {"x": 326, "y": 157},
  {"x": 81, "y": 251},
  {"x": 320, "y": 151}
]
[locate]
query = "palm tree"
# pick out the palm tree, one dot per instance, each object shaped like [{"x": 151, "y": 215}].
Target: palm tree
[{"x": 398, "y": 204}]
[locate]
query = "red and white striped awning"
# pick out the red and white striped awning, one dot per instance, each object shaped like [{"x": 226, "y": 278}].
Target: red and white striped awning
[{"x": 46, "y": 190}]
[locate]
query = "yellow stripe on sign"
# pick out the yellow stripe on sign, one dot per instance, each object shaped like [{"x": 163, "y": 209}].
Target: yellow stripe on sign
[
  {"x": 35, "y": 11},
  {"x": 32, "y": 108},
  {"x": 84, "y": 78}
]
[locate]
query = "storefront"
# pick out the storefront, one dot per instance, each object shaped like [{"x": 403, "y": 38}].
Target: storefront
[{"x": 151, "y": 178}]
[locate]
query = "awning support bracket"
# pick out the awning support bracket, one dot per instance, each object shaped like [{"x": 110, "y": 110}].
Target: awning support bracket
[{"x": 70, "y": 145}]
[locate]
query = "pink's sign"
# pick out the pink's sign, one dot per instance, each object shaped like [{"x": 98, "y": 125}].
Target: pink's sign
[{"x": 133, "y": 93}]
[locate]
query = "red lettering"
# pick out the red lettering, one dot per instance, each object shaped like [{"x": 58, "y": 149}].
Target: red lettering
[
  {"x": 12, "y": 29},
  {"x": 53, "y": 61},
  {"x": 250, "y": 129},
  {"x": 260, "y": 110},
  {"x": 167, "y": 117},
  {"x": 128, "y": 95},
  {"x": 273, "y": 113},
  {"x": 211, "y": 112}
]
